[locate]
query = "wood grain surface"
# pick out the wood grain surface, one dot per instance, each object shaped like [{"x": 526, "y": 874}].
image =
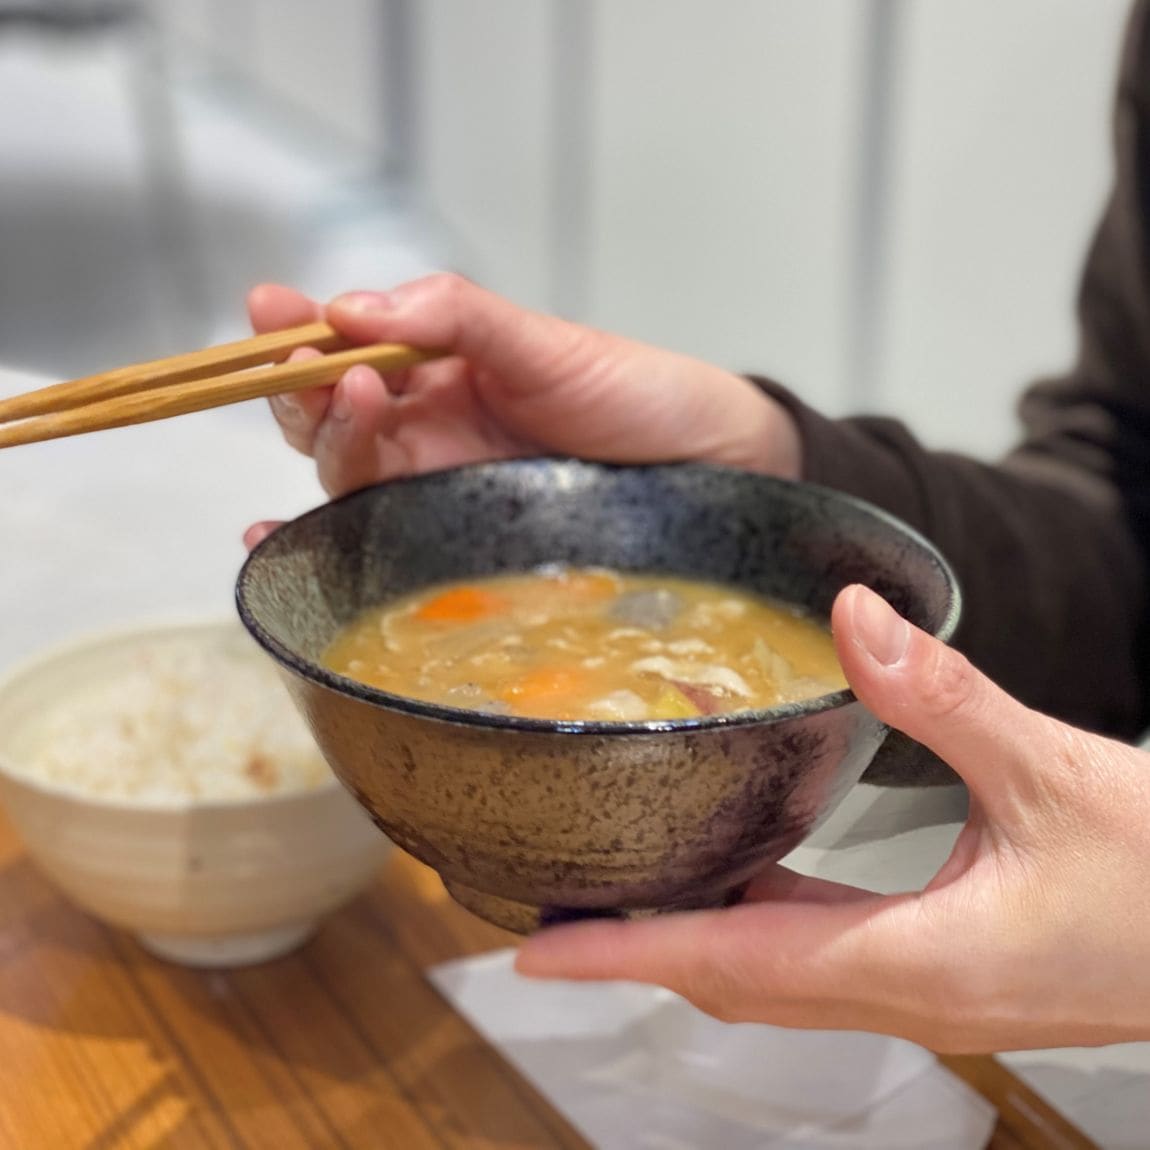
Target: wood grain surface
[{"x": 343, "y": 1044}]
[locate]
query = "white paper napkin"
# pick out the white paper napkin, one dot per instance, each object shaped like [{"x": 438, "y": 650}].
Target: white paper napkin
[{"x": 637, "y": 1068}]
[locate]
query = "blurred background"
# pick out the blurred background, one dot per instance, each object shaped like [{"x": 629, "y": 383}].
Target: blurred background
[{"x": 884, "y": 204}]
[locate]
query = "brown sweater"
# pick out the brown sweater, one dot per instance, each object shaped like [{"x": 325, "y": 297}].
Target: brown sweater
[{"x": 1052, "y": 544}]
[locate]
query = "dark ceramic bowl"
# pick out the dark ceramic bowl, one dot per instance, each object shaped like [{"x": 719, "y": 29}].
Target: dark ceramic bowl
[{"x": 530, "y": 821}]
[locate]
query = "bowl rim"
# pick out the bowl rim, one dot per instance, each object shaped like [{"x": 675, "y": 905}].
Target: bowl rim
[
  {"x": 116, "y": 634},
  {"x": 343, "y": 685}
]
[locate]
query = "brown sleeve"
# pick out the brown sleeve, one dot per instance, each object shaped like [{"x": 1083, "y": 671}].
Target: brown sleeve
[{"x": 1052, "y": 544}]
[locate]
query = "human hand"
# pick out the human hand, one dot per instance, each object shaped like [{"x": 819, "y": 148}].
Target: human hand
[
  {"x": 517, "y": 383},
  {"x": 1035, "y": 932}
]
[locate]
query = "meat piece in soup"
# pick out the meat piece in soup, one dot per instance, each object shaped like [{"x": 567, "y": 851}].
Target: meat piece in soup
[{"x": 589, "y": 644}]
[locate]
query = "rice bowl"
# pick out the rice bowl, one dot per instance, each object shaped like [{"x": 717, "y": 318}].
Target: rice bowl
[
  {"x": 161, "y": 778},
  {"x": 178, "y": 719}
]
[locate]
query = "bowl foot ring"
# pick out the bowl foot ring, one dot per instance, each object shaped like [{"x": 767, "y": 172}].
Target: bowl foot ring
[
  {"x": 525, "y": 918},
  {"x": 224, "y": 950}
]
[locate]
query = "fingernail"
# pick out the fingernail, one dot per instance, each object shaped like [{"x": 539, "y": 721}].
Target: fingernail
[
  {"x": 368, "y": 302},
  {"x": 880, "y": 630},
  {"x": 341, "y": 408},
  {"x": 286, "y": 407}
]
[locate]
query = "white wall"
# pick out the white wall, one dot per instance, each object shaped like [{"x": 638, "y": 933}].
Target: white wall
[
  {"x": 1002, "y": 164},
  {"x": 221, "y": 32},
  {"x": 484, "y": 91},
  {"x": 713, "y": 156},
  {"x": 322, "y": 64},
  {"x": 194, "y": 21},
  {"x": 722, "y": 179},
  {"x": 326, "y": 60}
]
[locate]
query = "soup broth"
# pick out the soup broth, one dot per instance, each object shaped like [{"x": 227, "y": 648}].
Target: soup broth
[{"x": 589, "y": 644}]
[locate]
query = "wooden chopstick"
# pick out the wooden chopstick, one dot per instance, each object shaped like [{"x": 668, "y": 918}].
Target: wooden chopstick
[
  {"x": 167, "y": 399},
  {"x": 227, "y": 357}
]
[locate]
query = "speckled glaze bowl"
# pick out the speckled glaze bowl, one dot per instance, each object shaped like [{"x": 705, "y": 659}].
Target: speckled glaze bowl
[{"x": 531, "y": 821}]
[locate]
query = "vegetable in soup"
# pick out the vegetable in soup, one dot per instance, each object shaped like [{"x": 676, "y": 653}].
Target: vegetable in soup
[{"x": 589, "y": 644}]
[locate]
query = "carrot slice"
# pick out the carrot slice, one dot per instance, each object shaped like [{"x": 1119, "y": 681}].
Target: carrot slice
[
  {"x": 545, "y": 686},
  {"x": 462, "y": 605}
]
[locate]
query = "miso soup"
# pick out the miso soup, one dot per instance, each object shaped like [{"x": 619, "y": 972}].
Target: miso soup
[{"x": 589, "y": 644}]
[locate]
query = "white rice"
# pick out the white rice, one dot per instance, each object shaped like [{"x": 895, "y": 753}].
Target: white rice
[{"x": 183, "y": 719}]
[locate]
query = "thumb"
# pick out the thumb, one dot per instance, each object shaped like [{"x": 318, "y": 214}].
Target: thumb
[
  {"x": 451, "y": 313},
  {"x": 930, "y": 692}
]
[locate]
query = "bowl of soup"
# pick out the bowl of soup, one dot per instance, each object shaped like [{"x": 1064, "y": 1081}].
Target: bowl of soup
[{"x": 578, "y": 689}]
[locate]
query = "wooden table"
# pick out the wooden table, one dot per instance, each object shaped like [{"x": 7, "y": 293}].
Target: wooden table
[{"x": 343, "y": 1044}]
